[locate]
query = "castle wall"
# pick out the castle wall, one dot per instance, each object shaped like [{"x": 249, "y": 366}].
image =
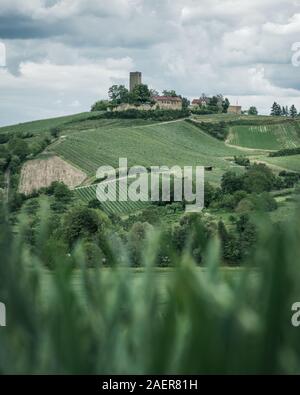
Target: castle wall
[
  {"x": 126, "y": 107},
  {"x": 147, "y": 107},
  {"x": 170, "y": 105}
]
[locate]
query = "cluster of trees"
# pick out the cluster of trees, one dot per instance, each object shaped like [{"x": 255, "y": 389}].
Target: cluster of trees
[
  {"x": 248, "y": 192},
  {"x": 195, "y": 231},
  {"x": 237, "y": 246},
  {"x": 192, "y": 231},
  {"x": 245, "y": 192},
  {"x": 214, "y": 105},
  {"x": 141, "y": 94},
  {"x": 14, "y": 152},
  {"x": 252, "y": 111},
  {"x": 242, "y": 161},
  {"x": 289, "y": 179},
  {"x": 15, "y": 148},
  {"x": 277, "y": 110},
  {"x": 71, "y": 221},
  {"x": 101, "y": 105}
]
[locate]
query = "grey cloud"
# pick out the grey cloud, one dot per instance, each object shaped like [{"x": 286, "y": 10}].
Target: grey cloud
[{"x": 22, "y": 27}]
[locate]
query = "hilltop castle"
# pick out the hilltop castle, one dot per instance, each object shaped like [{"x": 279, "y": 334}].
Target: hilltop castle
[{"x": 160, "y": 102}]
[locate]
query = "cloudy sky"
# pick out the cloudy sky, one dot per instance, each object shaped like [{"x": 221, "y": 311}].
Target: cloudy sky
[{"x": 62, "y": 55}]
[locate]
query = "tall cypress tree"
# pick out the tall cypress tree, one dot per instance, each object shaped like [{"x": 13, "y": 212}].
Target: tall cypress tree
[
  {"x": 278, "y": 110},
  {"x": 274, "y": 109},
  {"x": 293, "y": 111}
]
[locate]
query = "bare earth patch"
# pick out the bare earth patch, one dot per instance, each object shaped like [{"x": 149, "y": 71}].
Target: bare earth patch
[{"x": 39, "y": 173}]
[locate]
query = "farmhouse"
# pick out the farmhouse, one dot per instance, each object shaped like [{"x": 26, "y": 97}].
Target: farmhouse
[
  {"x": 235, "y": 110},
  {"x": 199, "y": 102}
]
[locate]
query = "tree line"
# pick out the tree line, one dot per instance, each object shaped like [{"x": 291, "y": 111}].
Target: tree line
[
  {"x": 214, "y": 105},
  {"x": 278, "y": 111}
]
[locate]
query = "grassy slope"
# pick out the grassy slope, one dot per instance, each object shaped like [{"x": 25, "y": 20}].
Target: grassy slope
[
  {"x": 92, "y": 142},
  {"x": 46, "y": 124},
  {"x": 287, "y": 162},
  {"x": 176, "y": 143}
]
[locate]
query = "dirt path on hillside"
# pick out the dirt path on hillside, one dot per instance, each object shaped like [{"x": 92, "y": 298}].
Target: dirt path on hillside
[
  {"x": 158, "y": 123},
  {"x": 248, "y": 149}
]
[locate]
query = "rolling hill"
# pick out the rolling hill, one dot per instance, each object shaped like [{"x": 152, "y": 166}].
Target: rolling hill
[
  {"x": 170, "y": 143},
  {"x": 46, "y": 125},
  {"x": 87, "y": 141}
]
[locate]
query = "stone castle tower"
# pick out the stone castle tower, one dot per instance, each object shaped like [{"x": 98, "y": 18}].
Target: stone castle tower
[{"x": 135, "y": 79}]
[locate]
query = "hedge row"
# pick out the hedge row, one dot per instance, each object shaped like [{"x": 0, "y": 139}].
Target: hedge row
[
  {"x": 217, "y": 130},
  {"x": 285, "y": 152},
  {"x": 157, "y": 115}
]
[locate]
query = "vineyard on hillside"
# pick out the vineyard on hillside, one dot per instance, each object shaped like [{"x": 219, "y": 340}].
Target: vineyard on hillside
[
  {"x": 87, "y": 141},
  {"x": 215, "y": 118},
  {"x": 88, "y": 194},
  {"x": 176, "y": 143},
  {"x": 266, "y": 137}
]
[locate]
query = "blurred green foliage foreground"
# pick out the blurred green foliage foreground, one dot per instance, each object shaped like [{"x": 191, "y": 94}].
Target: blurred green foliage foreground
[{"x": 204, "y": 321}]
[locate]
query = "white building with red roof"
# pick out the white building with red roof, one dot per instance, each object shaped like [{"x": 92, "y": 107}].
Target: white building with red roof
[{"x": 200, "y": 102}]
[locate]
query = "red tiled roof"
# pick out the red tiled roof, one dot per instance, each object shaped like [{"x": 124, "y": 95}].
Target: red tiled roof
[
  {"x": 169, "y": 98},
  {"x": 199, "y": 101}
]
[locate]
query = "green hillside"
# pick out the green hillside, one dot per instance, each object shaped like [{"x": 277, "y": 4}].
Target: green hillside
[
  {"x": 173, "y": 143},
  {"x": 88, "y": 193},
  {"x": 266, "y": 137},
  {"x": 89, "y": 141},
  {"x": 213, "y": 118},
  {"x": 286, "y": 162},
  {"x": 46, "y": 125}
]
